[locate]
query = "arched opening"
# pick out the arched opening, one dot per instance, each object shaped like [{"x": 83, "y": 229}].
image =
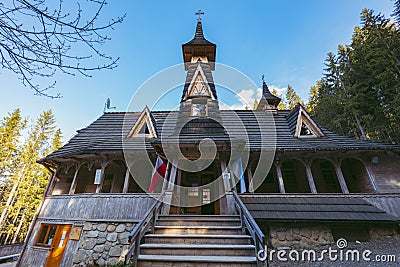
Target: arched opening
[
  {"x": 356, "y": 176},
  {"x": 325, "y": 177},
  {"x": 270, "y": 183},
  {"x": 85, "y": 179},
  {"x": 63, "y": 181},
  {"x": 295, "y": 177},
  {"x": 114, "y": 176},
  {"x": 133, "y": 186}
]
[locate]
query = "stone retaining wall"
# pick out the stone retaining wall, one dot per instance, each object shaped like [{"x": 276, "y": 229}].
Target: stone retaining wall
[
  {"x": 299, "y": 236},
  {"x": 103, "y": 243}
]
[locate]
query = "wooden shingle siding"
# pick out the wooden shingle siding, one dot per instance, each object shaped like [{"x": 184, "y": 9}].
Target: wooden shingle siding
[
  {"x": 314, "y": 208},
  {"x": 96, "y": 207}
]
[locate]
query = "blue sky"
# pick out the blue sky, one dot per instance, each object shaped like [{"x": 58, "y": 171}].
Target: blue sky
[{"x": 286, "y": 40}]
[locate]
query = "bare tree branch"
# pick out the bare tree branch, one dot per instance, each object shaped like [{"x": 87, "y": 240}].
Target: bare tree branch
[{"x": 39, "y": 37}]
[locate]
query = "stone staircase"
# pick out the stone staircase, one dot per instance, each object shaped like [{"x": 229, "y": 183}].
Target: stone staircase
[{"x": 200, "y": 240}]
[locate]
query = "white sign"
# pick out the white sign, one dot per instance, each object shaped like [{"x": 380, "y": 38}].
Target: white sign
[{"x": 97, "y": 177}]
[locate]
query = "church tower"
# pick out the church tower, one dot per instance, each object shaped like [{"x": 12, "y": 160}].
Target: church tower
[{"x": 199, "y": 102}]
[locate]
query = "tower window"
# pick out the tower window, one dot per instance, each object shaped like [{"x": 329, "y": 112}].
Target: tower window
[{"x": 199, "y": 109}]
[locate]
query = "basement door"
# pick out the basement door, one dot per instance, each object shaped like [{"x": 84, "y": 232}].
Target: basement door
[{"x": 58, "y": 244}]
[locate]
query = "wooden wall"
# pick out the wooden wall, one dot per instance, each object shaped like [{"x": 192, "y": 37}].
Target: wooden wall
[
  {"x": 12, "y": 249},
  {"x": 82, "y": 207},
  {"x": 78, "y": 209},
  {"x": 387, "y": 173}
]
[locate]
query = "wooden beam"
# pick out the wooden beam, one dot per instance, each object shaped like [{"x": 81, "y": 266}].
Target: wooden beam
[
  {"x": 126, "y": 181},
  {"x": 250, "y": 178},
  {"x": 371, "y": 177},
  {"x": 103, "y": 168},
  {"x": 341, "y": 179},
  {"x": 74, "y": 180},
  {"x": 310, "y": 179},
  {"x": 280, "y": 178}
]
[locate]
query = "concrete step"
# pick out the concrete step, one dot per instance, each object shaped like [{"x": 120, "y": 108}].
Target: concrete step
[
  {"x": 197, "y": 222},
  {"x": 197, "y": 250},
  {"x": 164, "y": 260},
  {"x": 198, "y": 239},
  {"x": 179, "y": 229}
]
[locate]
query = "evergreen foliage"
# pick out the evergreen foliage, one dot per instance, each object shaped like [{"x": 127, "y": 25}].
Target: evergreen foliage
[
  {"x": 23, "y": 180},
  {"x": 359, "y": 95}
]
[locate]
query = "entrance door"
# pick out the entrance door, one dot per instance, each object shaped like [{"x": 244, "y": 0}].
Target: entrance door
[
  {"x": 199, "y": 193},
  {"x": 58, "y": 245}
]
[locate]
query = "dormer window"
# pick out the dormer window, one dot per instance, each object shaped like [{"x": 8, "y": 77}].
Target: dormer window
[
  {"x": 306, "y": 127},
  {"x": 199, "y": 108},
  {"x": 305, "y": 131}
]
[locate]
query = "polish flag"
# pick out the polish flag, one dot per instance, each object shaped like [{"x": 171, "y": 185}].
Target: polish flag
[{"x": 158, "y": 174}]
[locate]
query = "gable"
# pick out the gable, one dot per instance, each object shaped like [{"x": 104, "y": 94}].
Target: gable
[
  {"x": 144, "y": 125},
  {"x": 305, "y": 126},
  {"x": 199, "y": 85}
]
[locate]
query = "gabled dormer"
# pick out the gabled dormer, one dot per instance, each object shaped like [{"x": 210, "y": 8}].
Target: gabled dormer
[
  {"x": 302, "y": 125},
  {"x": 144, "y": 125}
]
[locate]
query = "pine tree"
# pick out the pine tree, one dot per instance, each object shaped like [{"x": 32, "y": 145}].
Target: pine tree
[
  {"x": 313, "y": 98},
  {"x": 292, "y": 97},
  {"x": 29, "y": 179},
  {"x": 396, "y": 12}
]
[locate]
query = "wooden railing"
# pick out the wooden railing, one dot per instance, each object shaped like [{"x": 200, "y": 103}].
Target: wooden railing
[
  {"x": 249, "y": 224},
  {"x": 141, "y": 229}
]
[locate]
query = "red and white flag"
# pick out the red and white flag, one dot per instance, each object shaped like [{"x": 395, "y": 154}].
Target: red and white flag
[{"x": 158, "y": 174}]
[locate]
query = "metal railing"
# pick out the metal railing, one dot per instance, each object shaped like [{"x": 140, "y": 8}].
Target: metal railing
[
  {"x": 141, "y": 229},
  {"x": 249, "y": 224}
]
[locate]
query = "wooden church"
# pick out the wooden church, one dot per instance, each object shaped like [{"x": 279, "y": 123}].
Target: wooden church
[{"x": 318, "y": 187}]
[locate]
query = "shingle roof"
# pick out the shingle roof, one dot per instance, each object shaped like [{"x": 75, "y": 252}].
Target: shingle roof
[
  {"x": 107, "y": 132},
  {"x": 199, "y": 38},
  {"x": 267, "y": 95},
  {"x": 313, "y": 208}
]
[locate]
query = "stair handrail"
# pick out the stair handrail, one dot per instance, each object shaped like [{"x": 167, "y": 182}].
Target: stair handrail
[
  {"x": 141, "y": 229},
  {"x": 254, "y": 230}
]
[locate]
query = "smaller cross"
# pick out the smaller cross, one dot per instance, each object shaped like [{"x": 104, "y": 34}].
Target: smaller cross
[{"x": 199, "y": 13}]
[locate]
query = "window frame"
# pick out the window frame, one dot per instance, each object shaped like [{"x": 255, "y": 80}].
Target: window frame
[{"x": 37, "y": 244}]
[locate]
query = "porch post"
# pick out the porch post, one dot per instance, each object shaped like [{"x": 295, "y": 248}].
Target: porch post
[
  {"x": 103, "y": 168},
  {"x": 126, "y": 181},
  {"x": 223, "y": 203},
  {"x": 250, "y": 178},
  {"x": 280, "y": 178},
  {"x": 371, "y": 176},
  {"x": 310, "y": 179},
  {"x": 164, "y": 186},
  {"x": 340, "y": 177},
  {"x": 74, "y": 181}
]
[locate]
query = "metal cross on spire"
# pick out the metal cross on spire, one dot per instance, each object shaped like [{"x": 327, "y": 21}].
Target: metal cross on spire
[{"x": 199, "y": 13}]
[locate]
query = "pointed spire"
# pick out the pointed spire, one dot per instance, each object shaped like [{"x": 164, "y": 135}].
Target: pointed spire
[
  {"x": 199, "y": 30},
  {"x": 267, "y": 96},
  {"x": 199, "y": 46}
]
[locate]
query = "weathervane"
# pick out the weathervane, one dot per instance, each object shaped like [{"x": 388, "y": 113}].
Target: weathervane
[{"x": 199, "y": 13}]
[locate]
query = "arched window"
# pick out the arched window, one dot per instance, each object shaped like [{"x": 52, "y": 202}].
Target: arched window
[
  {"x": 325, "y": 177},
  {"x": 356, "y": 176}
]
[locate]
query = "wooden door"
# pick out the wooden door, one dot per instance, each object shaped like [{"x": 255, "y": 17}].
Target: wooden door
[{"x": 58, "y": 245}]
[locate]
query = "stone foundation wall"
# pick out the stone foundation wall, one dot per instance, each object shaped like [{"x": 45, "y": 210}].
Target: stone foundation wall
[
  {"x": 300, "y": 236},
  {"x": 377, "y": 231},
  {"x": 103, "y": 244}
]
